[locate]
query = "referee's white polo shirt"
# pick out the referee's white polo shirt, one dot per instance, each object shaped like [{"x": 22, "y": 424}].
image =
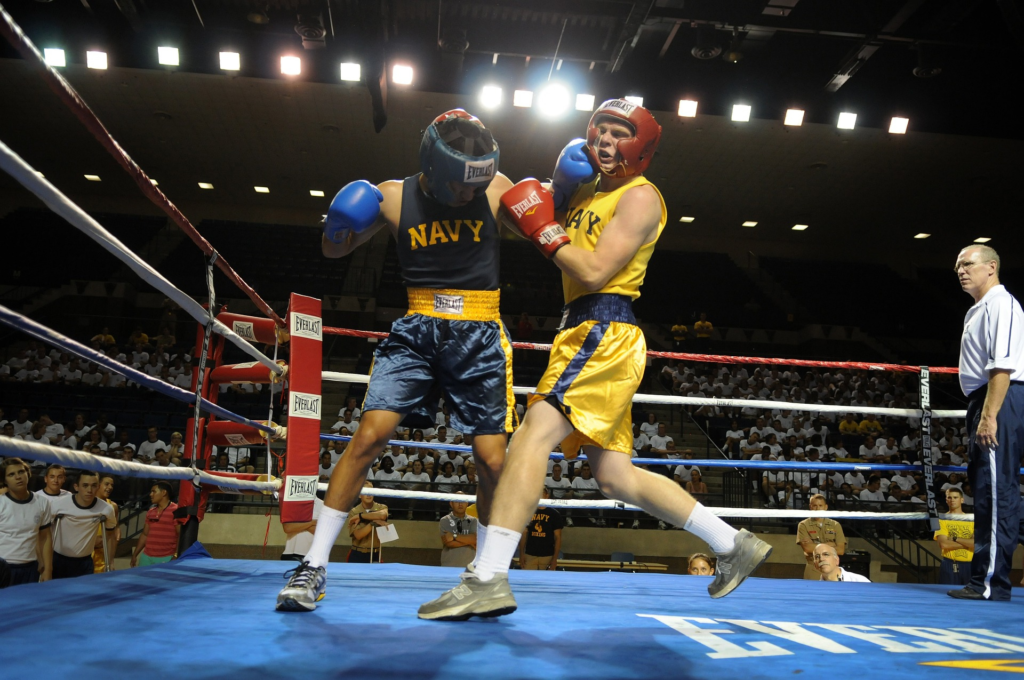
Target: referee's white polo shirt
[{"x": 993, "y": 339}]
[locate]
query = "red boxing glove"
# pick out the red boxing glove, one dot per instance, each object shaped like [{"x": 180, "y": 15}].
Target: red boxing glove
[{"x": 531, "y": 210}]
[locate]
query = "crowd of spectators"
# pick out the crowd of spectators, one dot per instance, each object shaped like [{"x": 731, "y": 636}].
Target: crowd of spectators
[{"x": 812, "y": 435}]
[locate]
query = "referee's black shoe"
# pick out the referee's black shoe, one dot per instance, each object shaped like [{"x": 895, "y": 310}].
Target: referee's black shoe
[{"x": 966, "y": 593}]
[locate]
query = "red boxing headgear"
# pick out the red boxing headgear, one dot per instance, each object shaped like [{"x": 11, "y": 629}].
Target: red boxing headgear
[{"x": 636, "y": 152}]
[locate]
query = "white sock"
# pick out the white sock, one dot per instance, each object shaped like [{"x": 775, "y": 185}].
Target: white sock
[
  {"x": 702, "y": 523},
  {"x": 502, "y": 544},
  {"x": 328, "y": 526},
  {"x": 481, "y": 539}
]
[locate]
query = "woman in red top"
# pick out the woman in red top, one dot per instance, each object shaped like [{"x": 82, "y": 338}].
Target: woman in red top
[{"x": 159, "y": 540}]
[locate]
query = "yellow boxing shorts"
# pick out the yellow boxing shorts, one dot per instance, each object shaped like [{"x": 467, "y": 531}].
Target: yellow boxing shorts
[{"x": 595, "y": 368}]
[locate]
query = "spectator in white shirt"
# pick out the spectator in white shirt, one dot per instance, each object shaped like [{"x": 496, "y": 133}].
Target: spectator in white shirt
[
  {"x": 450, "y": 457},
  {"x": 106, "y": 430},
  {"x": 387, "y": 474},
  {"x": 25, "y": 519},
  {"x": 72, "y": 375},
  {"x": 93, "y": 376},
  {"x": 873, "y": 492},
  {"x": 347, "y": 423},
  {"x": 326, "y": 467},
  {"x": 660, "y": 442},
  {"x": 68, "y": 440},
  {"x": 37, "y": 435},
  {"x": 148, "y": 448},
  {"x": 447, "y": 480},
  {"x": 559, "y": 486},
  {"x": 650, "y": 428},
  {"x": 856, "y": 481},
  {"x": 641, "y": 442}
]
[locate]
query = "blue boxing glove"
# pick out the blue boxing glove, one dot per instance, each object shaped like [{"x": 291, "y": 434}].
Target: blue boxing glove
[
  {"x": 572, "y": 168},
  {"x": 355, "y": 208}
]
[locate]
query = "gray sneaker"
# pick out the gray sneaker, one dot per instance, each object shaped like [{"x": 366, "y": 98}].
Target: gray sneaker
[
  {"x": 305, "y": 588},
  {"x": 736, "y": 565},
  {"x": 472, "y": 597}
]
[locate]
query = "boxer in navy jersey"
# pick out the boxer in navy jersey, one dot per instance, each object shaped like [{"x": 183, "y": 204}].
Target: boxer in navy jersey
[{"x": 452, "y": 341}]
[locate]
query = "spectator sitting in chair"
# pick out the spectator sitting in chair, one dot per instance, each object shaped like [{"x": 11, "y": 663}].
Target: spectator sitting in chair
[
  {"x": 326, "y": 467},
  {"x": 660, "y": 443},
  {"x": 870, "y": 426}
]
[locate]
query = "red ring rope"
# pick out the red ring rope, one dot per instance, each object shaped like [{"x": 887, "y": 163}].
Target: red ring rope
[{"x": 707, "y": 358}]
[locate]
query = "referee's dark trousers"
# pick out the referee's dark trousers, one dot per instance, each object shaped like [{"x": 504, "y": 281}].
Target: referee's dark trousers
[{"x": 993, "y": 474}]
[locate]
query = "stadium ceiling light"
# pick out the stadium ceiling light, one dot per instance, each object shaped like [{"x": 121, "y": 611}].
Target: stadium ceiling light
[
  {"x": 584, "y": 102},
  {"x": 291, "y": 66},
  {"x": 794, "y": 117},
  {"x": 687, "y": 219},
  {"x": 749, "y": 224},
  {"x": 205, "y": 185},
  {"x": 95, "y": 59},
  {"x": 639, "y": 101},
  {"x": 740, "y": 113},
  {"x": 350, "y": 72},
  {"x": 401, "y": 74},
  {"x": 799, "y": 227},
  {"x": 847, "y": 120},
  {"x": 490, "y": 97},
  {"x": 230, "y": 61},
  {"x": 553, "y": 100},
  {"x": 922, "y": 235},
  {"x": 898, "y": 126},
  {"x": 522, "y": 98},
  {"x": 54, "y": 56},
  {"x": 262, "y": 190},
  {"x": 93, "y": 178},
  {"x": 167, "y": 56},
  {"x": 982, "y": 239},
  {"x": 687, "y": 108},
  {"x": 316, "y": 193}
]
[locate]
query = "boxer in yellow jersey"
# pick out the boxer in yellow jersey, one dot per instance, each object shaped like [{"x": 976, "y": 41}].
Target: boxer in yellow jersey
[{"x": 606, "y": 232}]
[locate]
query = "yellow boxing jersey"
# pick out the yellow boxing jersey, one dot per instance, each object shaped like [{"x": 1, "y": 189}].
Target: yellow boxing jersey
[
  {"x": 589, "y": 211},
  {"x": 956, "y": 529}
]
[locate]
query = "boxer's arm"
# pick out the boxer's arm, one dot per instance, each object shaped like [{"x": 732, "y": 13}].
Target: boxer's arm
[
  {"x": 635, "y": 223},
  {"x": 390, "y": 209}
]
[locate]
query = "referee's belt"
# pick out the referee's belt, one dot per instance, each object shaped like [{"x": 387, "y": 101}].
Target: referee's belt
[
  {"x": 365, "y": 550},
  {"x": 598, "y": 307},
  {"x": 454, "y": 304}
]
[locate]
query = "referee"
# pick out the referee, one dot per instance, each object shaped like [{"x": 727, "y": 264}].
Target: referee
[{"x": 992, "y": 377}]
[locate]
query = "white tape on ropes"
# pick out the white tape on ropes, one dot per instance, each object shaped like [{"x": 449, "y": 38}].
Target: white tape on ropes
[
  {"x": 332, "y": 376},
  {"x": 595, "y": 504},
  {"x": 21, "y": 171},
  {"x": 76, "y": 459}
]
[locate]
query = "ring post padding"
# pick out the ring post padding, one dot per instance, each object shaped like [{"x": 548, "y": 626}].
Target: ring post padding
[
  {"x": 305, "y": 326},
  {"x": 252, "y": 328},
  {"x": 253, "y": 373}
]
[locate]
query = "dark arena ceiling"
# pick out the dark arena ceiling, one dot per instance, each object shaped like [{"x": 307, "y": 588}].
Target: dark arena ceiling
[{"x": 950, "y": 66}]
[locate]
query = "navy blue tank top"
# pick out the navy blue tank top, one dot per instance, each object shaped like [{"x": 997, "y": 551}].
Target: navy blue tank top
[{"x": 444, "y": 247}]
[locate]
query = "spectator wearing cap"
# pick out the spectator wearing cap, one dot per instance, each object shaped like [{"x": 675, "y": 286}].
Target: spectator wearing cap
[{"x": 159, "y": 540}]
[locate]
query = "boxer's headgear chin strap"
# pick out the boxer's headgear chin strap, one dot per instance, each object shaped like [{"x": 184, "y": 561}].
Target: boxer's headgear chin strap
[
  {"x": 441, "y": 163},
  {"x": 636, "y": 152}
]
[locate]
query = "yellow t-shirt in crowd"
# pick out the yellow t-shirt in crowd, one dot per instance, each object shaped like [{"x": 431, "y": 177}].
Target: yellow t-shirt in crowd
[
  {"x": 955, "y": 529},
  {"x": 589, "y": 212},
  {"x": 703, "y": 329},
  {"x": 679, "y": 332}
]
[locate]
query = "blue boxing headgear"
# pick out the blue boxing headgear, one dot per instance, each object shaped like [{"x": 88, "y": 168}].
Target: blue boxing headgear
[{"x": 441, "y": 163}]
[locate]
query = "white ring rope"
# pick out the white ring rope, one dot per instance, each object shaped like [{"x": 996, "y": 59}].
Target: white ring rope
[
  {"x": 51, "y": 454},
  {"x": 21, "y": 171},
  {"x": 572, "y": 504},
  {"x": 332, "y": 376}
]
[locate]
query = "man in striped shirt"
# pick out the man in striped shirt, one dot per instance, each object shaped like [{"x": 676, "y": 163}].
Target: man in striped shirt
[
  {"x": 159, "y": 540},
  {"x": 992, "y": 377}
]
